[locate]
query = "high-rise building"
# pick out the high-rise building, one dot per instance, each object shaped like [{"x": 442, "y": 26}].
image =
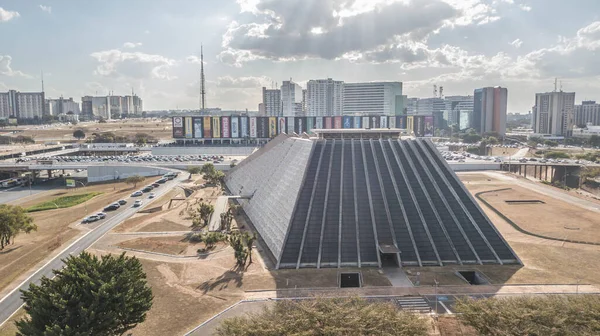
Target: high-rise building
[
  {"x": 553, "y": 113},
  {"x": 272, "y": 102},
  {"x": 587, "y": 112},
  {"x": 374, "y": 98},
  {"x": 22, "y": 105},
  {"x": 489, "y": 110},
  {"x": 430, "y": 106},
  {"x": 109, "y": 107},
  {"x": 291, "y": 94},
  {"x": 455, "y": 106},
  {"x": 304, "y": 102},
  {"x": 324, "y": 97},
  {"x": 95, "y": 107},
  {"x": 61, "y": 106},
  {"x": 261, "y": 109},
  {"x": 411, "y": 105}
]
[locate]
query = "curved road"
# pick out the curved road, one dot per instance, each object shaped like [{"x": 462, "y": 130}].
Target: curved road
[{"x": 12, "y": 302}]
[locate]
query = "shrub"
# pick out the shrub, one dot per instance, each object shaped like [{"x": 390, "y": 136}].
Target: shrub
[{"x": 557, "y": 155}]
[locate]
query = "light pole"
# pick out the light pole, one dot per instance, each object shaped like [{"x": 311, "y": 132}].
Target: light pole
[
  {"x": 85, "y": 203},
  {"x": 436, "y": 295}
]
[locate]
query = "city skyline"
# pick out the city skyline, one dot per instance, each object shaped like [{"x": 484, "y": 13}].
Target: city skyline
[{"x": 461, "y": 45}]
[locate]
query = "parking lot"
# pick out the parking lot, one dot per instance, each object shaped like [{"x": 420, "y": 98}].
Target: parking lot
[{"x": 135, "y": 159}]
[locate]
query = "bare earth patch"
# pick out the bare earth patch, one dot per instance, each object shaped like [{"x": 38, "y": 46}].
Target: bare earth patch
[{"x": 163, "y": 225}]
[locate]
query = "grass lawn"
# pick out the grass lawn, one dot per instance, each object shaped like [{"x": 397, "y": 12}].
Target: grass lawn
[{"x": 63, "y": 202}]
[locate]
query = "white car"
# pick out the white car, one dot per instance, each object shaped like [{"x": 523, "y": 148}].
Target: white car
[
  {"x": 137, "y": 193},
  {"x": 138, "y": 203},
  {"x": 151, "y": 195}
]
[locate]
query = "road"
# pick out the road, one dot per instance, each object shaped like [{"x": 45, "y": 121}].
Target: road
[
  {"x": 12, "y": 194},
  {"x": 12, "y": 302}
]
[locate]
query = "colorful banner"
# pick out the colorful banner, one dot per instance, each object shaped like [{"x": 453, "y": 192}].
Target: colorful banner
[
  {"x": 281, "y": 126},
  {"x": 419, "y": 125},
  {"x": 70, "y": 183},
  {"x": 337, "y": 122},
  {"x": 262, "y": 127},
  {"x": 290, "y": 125},
  {"x": 225, "y": 130},
  {"x": 272, "y": 127},
  {"x": 410, "y": 124},
  {"x": 235, "y": 127},
  {"x": 319, "y": 122},
  {"x": 428, "y": 126},
  {"x": 374, "y": 122},
  {"x": 177, "y": 127},
  {"x": 392, "y": 122},
  {"x": 189, "y": 128},
  {"x": 310, "y": 124},
  {"x": 253, "y": 127},
  {"x": 383, "y": 122},
  {"x": 357, "y": 122},
  {"x": 198, "y": 128},
  {"x": 216, "y": 127},
  {"x": 244, "y": 127},
  {"x": 328, "y": 123},
  {"x": 347, "y": 123},
  {"x": 366, "y": 123},
  {"x": 207, "y": 130},
  {"x": 299, "y": 125}
]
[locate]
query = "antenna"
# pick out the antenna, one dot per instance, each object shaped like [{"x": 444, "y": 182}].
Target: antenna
[
  {"x": 434, "y": 90},
  {"x": 202, "y": 88},
  {"x": 441, "y": 91},
  {"x": 555, "y": 80},
  {"x": 42, "y": 80}
]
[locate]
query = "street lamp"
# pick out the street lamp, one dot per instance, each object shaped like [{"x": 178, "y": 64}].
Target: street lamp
[
  {"x": 436, "y": 295},
  {"x": 84, "y": 203}
]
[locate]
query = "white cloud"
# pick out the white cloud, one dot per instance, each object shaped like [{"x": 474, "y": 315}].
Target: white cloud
[
  {"x": 135, "y": 65},
  {"x": 525, "y": 7},
  {"x": 194, "y": 59},
  {"x": 6, "y": 69},
  {"x": 6, "y": 15},
  {"x": 46, "y": 9},
  {"x": 516, "y": 43},
  {"x": 243, "y": 82},
  {"x": 131, "y": 45}
]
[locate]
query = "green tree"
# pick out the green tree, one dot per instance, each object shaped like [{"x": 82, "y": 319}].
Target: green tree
[
  {"x": 135, "y": 179},
  {"x": 492, "y": 140},
  {"x": 193, "y": 170},
  {"x": 550, "y": 143},
  {"x": 13, "y": 220},
  {"x": 89, "y": 296},
  {"x": 215, "y": 178},
  {"x": 78, "y": 134},
  {"x": 208, "y": 169},
  {"x": 250, "y": 239},
  {"x": 236, "y": 241},
  {"x": 326, "y": 316},
  {"x": 201, "y": 216}
]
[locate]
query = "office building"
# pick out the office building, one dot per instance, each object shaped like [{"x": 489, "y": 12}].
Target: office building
[
  {"x": 111, "y": 107},
  {"x": 324, "y": 97},
  {"x": 374, "y": 98},
  {"x": 489, "y": 110},
  {"x": 22, "y": 105},
  {"x": 587, "y": 112},
  {"x": 62, "y": 105},
  {"x": 553, "y": 113},
  {"x": 291, "y": 95},
  {"x": 410, "y": 106},
  {"x": 272, "y": 102},
  {"x": 304, "y": 102},
  {"x": 95, "y": 107}
]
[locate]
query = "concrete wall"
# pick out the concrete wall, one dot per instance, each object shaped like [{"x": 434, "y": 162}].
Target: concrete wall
[
  {"x": 108, "y": 173},
  {"x": 207, "y": 150},
  {"x": 466, "y": 166}
]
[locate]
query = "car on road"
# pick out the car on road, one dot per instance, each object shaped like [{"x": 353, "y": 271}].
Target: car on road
[
  {"x": 137, "y": 194},
  {"x": 79, "y": 170},
  {"x": 151, "y": 195},
  {"x": 162, "y": 180},
  {"x": 148, "y": 189},
  {"x": 138, "y": 203},
  {"x": 112, "y": 207},
  {"x": 155, "y": 185},
  {"x": 122, "y": 202},
  {"x": 523, "y": 160},
  {"x": 90, "y": 219},
  {"x": 101, "y": 215}
]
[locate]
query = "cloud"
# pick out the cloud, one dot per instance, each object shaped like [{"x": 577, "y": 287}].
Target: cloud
[
  {"x": 46, "y": 9},
  {"x": 137, "y": 65},
  {"x": 516, "y": 43},
  {"x": 6, "y": 15},
  {"x": 131, "y": 45},
  {"x": 193, "y": 59},
  {"x": 525, "y": 7},
  {"x": 283, "y": 30},
  {"x": 243, "y": 82},
  {"x": 6, "y": 69}
]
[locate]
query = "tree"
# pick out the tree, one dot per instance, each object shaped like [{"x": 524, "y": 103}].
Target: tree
[
  {"x": 194, "y": 170},
  {"x": 215, "y": 178},
  {"x": 207, "y": 169},
  {"x": 106, "y": 296},
  {"x": 532, "y": 315},
  {"x": 550, "y": 143},
  {"x": 236, "y": 241},
  {"x": 135, "y": 179},
  {"x": 250, "y": 239},
  {"x": 78, "y": 134},
  {"x": 13, "y": 220},
  {"x": 327, "y": 316},
  {"x": 492, "y": 140},
  {"x": 201, "y": 216}
]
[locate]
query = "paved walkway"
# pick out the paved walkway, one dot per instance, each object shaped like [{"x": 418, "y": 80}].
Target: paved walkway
[
  {"x": 397, "y": 277},
  {"x": 215, "y": 218}
]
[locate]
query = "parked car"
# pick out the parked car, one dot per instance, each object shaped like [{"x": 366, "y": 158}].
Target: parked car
[
  {"x": 138, "y": 203},
  {"x": 162, "y": 180},
  {"x": 155, "y": 185},
  {"x": 101, "y": 215},
  {"x": 137, "y": 194},
  {"x": 147, "y": 189},
  {"x": 122, "y": 202},
  {"x": 90, "y": 219},
  {"x": 112, "y": 207},
  {"x": 151, "y": 195}
]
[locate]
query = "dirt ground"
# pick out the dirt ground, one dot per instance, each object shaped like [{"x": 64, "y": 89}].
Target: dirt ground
[
  {"x": 54, "y": 228},
  {"x": 161, "y": 129},
  {"x": 175, "y": 245}
]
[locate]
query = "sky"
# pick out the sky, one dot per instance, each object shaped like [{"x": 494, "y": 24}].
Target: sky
[{"x": 152, "y": 47}]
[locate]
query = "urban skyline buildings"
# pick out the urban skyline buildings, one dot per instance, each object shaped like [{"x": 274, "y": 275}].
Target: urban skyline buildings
[
  {"x": 324, "y": 97},
  {"x": 373, "y": 98},
  {"x": 553, "y": 113},
  {"x": 489, "y": 110},
  {"x": 271, "y": 99},
  {"x": 22, "y": 105},
  {"x": 291, "y": 98},
  {"x": 588, "y": 112},
  {"x": 110, "y": 107}
]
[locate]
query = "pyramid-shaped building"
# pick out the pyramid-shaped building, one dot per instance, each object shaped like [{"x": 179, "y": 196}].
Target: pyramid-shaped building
[{"x": 363, "y": 202}]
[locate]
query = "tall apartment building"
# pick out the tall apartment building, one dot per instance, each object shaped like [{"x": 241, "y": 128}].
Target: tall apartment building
[
  {"x": 272, "y": 102},
  {"x": 410, "y": 105},
  {"x": 374, "y": 98},
  {"x": 95, "y": 107},
  {"x": 109, "y": 107},
  {"x": 324, "y": 97},
  {"x": 304, "y": 102},
  {"x": 489, "y": 110},
  {"x": 22, "y": 105},
  {"x": 61, "y": 106},
  {"x": 430, "y": 106},
  {"x": 291, "y": 99},
  {"x": 457, "y": 107},
  {"x": 587, "y": 112},
  {"x": 553, "y": 113}
]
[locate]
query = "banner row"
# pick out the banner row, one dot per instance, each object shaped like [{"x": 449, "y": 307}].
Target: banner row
[{"x": 210, "y": 127}]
